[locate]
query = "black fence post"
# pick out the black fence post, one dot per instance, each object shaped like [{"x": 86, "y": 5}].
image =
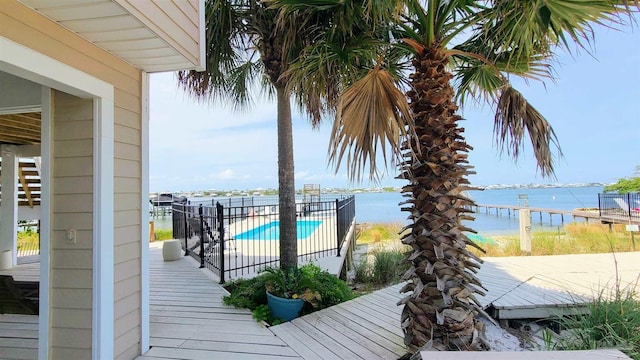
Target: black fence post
[
  {"x": 599, "y": 205},
  {"x": 338, "y": 225},
  {"x": 186, "y": 230},
  {"x": 220, "y": 214},
  {"x": 201, "y": 236},
  {"x": 629, "y": 204}
]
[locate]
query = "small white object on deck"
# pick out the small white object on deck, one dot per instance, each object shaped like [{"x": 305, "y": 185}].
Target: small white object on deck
[
  {"x": 171, "y": 250},
  {"x": 6, "y": 259}
]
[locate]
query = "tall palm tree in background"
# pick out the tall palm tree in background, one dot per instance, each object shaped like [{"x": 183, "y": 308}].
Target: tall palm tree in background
[
  {"x": 244, "y": 49},
  {"x": 461, "y": 49},
  {"x": 251, "y": 42}
]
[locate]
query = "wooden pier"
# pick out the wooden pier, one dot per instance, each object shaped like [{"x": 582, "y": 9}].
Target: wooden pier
[{"x": 512, "y": 210}]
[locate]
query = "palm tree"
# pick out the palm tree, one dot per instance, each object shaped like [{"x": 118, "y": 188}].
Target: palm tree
[
  {"x": 252, "y": 41},
  {"x": 243, "y": 49},
  {"x": 460, "y": 49}
]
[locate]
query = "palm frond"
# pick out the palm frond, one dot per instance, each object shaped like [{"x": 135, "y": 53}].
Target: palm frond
[
  {"x": 514, "y": 116},
  {"x": 225, "y": 51},
  {"x": 242, "y": 80},
  {"x": 373, "y": 112},
  {"x": 477, "y": 81},
  {"x": 479, "y": 78},
  {"x": 522, "y": 28}
]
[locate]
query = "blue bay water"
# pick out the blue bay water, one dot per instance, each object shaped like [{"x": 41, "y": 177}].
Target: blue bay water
[{"x": 384, "y": 208}]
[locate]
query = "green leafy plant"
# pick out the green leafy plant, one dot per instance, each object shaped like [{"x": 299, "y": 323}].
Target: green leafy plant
[
  {"x": 263, "y": 313},
  {"x": 319, "y": 288},
  {"x": 246, "y": 293},
  {"x": 292, "y": 283},
  {"x": 363, "y": 271},
  {"x": 332, "y": 290},
  {"x": 626, "y": 185},
  {"x": 388, "y": 266}
]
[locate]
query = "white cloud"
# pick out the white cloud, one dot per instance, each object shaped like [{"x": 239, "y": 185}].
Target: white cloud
[
  {"x": 227, "y": 174},
  {"x": 239, "y": 149}
]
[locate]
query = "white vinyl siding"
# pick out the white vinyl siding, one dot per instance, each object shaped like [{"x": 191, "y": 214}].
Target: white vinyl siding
[
  {"x": 72, "y": 187},
  {"x": 71, "y": 263}
]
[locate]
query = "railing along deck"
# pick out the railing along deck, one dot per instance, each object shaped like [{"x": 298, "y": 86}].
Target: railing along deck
[{"x": 612, "y": 208}]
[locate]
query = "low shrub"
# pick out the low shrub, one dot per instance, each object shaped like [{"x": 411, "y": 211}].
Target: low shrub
[
  {"x": 332, "y": 290},
  {"x": 388, "y": 266},
  {"x": 385, "y": 268},
  {"x": 251, "y": 293},
  {"x": 363, "y": 271}
]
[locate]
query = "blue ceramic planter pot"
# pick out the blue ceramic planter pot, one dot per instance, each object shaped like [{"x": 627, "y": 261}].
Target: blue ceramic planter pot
[{"x": 285, "y": 309}]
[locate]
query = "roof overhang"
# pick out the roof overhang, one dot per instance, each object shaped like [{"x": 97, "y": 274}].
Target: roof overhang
[{"x": 152, "y": 36}]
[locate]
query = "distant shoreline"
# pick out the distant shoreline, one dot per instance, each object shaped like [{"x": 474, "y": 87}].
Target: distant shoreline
[{"x": 333, "y": 191}]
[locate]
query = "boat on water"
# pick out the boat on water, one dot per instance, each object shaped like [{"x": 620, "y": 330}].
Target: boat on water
[{"x": 167, "y": 199}]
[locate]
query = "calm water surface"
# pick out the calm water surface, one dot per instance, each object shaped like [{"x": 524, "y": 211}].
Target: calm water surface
[{"x": 384, "y": 208}]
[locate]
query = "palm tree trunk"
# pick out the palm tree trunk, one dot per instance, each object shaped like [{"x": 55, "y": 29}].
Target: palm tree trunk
[
  {"x": 440, "y": 310},
  {"x": 286, "y": 183}
]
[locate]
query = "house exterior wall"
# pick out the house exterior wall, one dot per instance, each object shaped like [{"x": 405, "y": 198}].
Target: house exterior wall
[
  {"x": 71, "y": 273},
  {"x": 70, "y": 336},
  {"x": 176, "y": 21}
]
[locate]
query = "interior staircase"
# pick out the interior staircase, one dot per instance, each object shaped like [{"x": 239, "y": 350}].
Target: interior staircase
[{"x": 29, "y": 184}]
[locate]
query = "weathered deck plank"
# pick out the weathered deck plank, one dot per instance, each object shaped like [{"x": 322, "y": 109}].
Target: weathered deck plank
[
  {"x": 24, "y": 272},
  {"x": 189, "y": 321},
  {"x": 521, "y": 287},
  {"x": 367, "y": 327},
  {"x": 18, "y": 337}
]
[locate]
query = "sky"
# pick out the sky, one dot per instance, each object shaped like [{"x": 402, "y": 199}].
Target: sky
[{"x": 593, "y": 106}]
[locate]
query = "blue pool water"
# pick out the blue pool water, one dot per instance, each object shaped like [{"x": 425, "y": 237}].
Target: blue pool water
[{"x": 271, "y": 231}]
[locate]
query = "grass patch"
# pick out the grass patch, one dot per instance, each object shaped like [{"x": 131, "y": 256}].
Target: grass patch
[
  {"x": 613, "y": 321},
  {"x": 379, "y": 232},
  {"x": 28, "y": 240},
  {"x": 163, "y": 234},
  {"x": 574, "y": 238}
]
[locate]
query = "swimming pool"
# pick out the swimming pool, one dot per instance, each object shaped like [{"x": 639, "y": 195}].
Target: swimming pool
[{"x": 271, "y": 231}]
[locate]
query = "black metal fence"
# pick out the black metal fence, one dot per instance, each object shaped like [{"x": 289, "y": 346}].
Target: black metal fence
[
  {"x": 238, "y": 237},
  {"x": 620, "y": 206},
  {"x": 346, "y": 212}
]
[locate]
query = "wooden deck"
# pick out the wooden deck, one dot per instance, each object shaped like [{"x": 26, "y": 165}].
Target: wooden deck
[
  {"x": 364, "y": 328},
  {"x": 519, "y": 288},
  {"x": 189, "y": 321},
  {"x": 24, "y": 272},
  {"x": 544, "y": 286},
  {"x": 18, "y": 337}
]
